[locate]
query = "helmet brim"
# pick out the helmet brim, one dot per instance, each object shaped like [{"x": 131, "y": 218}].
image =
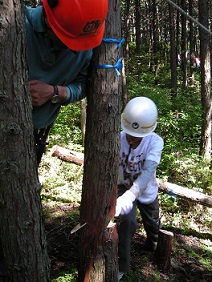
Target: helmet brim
[
  {"x": 133, "y": 132},
  {"x": 82, "y": 43}
]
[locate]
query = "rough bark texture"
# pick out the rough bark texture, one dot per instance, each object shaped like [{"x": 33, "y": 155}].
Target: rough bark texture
[
  {"x": 173, "y": 50},
  {"x": 205, "y": 147},
  {"x": 98, "y": 248},
  {"x": 164, "y": 249},
  {"x": 21, "y": 230}
]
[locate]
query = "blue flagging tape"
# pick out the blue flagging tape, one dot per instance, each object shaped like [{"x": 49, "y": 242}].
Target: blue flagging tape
[
  {"x": 118, "y": 66},
  {"x": 112, "y": 40},
  {"x": 171, "y": 194}
]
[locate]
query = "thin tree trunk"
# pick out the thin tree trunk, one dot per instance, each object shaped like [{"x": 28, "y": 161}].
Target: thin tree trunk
[
  {"x": 205, "y": 146},
  {"x": 137, "y": 26},
  {"x": 98, "y": 239},
  {"x": 184, "y": 44},
  {"x": 173, "y": 51}
]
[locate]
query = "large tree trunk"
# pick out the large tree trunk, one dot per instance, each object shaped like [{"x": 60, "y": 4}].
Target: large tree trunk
[
  {"x": 205, "y": 147},
  {"x": 98, "y": 241},
  {"x": 21, "y": 231}
]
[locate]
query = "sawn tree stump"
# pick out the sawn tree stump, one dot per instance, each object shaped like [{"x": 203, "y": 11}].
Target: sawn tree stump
[{"x": 164, "y": 249}]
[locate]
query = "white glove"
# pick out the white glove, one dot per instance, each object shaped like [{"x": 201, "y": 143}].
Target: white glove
[{"x": 125, "y": 203}]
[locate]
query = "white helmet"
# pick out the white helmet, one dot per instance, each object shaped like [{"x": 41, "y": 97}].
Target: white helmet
[{"x": 139, "y": 117}]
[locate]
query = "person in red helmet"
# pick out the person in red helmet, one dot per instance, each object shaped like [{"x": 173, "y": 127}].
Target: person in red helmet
[{"x": 60, "y": 37}]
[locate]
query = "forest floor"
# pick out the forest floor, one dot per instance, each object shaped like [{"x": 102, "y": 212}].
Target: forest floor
[{"x": 191, "y": 257}]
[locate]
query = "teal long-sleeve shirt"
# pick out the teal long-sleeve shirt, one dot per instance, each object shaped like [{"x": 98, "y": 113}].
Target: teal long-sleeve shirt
[{"x": 54, "y": 65}]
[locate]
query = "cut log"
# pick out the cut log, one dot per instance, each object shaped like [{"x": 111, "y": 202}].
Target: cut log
[
  {"x": 183, "y": 192},
  {"x": 67, "y": 155},
  {"x": 162, "y": 255},
  {"x": 166, "y": 187}
]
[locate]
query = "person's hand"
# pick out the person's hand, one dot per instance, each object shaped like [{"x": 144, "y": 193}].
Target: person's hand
[
  {"x": 125, "y": 203},
  {"x": 41, "y": 92}
]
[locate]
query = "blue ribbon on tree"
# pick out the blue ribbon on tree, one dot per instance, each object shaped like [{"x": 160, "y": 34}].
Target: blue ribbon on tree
[
  {"x": 112, "y": 40},
  {"x": 117, "y": 66}
]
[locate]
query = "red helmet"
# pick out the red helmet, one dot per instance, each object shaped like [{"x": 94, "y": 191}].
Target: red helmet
[{"x": 79, "y": 24}]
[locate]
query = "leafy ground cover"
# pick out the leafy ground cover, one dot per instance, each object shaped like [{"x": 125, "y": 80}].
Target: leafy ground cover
[{"x": 192, "y": 247}]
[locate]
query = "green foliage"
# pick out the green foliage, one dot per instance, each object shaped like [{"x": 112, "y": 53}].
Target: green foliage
[
  {"x": 181, "y": 162},
  {"x": 67, "y": 126},
  {"x": 72, "y": 277}
]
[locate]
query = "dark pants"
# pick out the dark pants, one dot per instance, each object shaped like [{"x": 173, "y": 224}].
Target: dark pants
[
  {"x": 40, "y": 136},
  {"x": 128, "y": 225}
]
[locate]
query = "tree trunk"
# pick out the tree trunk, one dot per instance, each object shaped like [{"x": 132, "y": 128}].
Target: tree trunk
[
  {"x": 205, "y": 146},
  {"x": 163, "y": 252},
  {"x": 137, "y": 26},
  {"x": 155, "y": 39},
  {"x": 184, "y": 43},
  {"x": 192, "y": 41},
  {"x": 21, "y": 230},
  {"x": 98, "y": 239},
  {"x": 83, "y": 119},
  {"x": 173, "y": 51}
]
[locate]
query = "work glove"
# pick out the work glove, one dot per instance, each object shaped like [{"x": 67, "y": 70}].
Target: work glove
[{"x": 124, "y": 203}]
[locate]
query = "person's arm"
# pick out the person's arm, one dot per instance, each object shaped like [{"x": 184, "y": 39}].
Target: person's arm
[
  {"x": 140, "y": 184},
  {"x": 42, "y": 92},
  {"x": 125, "y": 202},
  {"x": 76, "y": 90}
]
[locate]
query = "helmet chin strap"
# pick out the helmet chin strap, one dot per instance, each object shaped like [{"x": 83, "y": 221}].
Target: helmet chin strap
[{"x": 135, "y": 142}]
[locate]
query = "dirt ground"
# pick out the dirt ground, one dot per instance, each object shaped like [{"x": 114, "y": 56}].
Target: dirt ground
[{"x": 187, "y": 251}]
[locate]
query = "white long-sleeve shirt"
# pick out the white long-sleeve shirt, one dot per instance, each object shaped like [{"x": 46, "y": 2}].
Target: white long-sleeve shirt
[{"x": 137, "y": 167}]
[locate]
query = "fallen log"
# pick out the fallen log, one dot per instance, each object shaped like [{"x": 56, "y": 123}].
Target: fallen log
[
  {"x": 186, "y": 193},
  {"x": 67, "y": 155},
  {"x": 164, "y": 186}
]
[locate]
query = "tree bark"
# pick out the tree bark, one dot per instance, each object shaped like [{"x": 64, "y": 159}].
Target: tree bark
[
  {"x": 21, "y": 230},
  {"x": 164, "y": 248},
  {"x": 205, "y": 146},
  {"x": 184, "y": 43},
  {"x": 98, "y": 249},
  {"x": 173, "y": 51}
]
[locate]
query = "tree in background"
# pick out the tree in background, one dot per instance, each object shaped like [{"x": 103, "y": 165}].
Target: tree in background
[
  {"x": 21, "y": 230},
  {"x": 205, "y": 147},
  {"x": 173, "y": 50},
  {"x": 98, "y": 241}
]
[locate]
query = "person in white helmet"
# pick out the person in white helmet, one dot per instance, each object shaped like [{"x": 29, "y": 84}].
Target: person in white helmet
[{"x": 140, "y": 154}]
